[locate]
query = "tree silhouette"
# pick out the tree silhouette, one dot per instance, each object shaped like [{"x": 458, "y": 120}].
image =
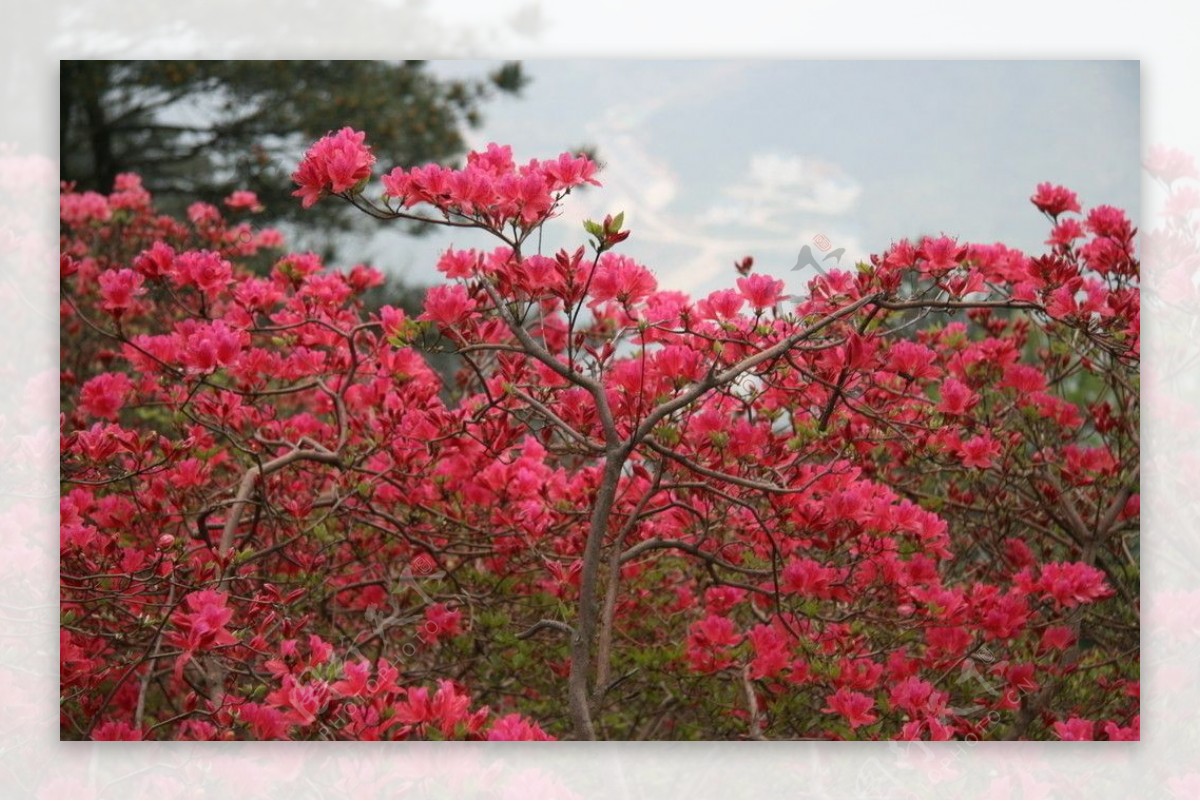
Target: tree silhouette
[{"x": 197, "y": 130}]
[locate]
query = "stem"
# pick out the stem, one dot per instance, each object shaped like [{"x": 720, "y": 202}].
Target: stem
[
  {"x": 756, "y": 717},
  {"x": 585, "y": 627},
  {"x": 604, "y": 648},
  {"x": 250, "y": 478},
  {"x": 154, "y": 654}
]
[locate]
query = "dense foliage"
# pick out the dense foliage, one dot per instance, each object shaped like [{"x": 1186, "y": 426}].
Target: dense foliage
[{"x": 903, "y": 504}]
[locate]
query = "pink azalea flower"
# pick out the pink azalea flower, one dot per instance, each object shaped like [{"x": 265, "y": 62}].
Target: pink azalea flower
[
  {"x": 119, "y": 290},
  {"x": 708, "y": 644},
  {"x": 980, "y": 451},
  {"x": 1131, "y": 732},
  {"x": 940, "y": 255},
  {"x": 957, "y": 397},
  {"x": 855, "y": 707},
  {"x": 203, "y": 269},
  {"x": 621, "y": 279},
  {"x": 440, "y": 621},
  {"x": 104, "y": 395},
  {"x": 761, "y": 290},
  {"x": 458, "y": 263},
  {"x": 243, "y": 199},
  {"x": 116, "y": 730},
  {"x": 156, "y": 261},
  {"x": 1054, "y": 200},
  {"x": 448, "y": 305},
  {"x": 515, "y": 727},
  {"x": 1075, "y": 729},
  {"x": 1073, "y": 583},
  {"x": 808, "y": 578},
  {"x": 335, "y": 163}
]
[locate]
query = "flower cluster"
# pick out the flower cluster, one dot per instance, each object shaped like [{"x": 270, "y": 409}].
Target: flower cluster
[
  {"x": 337, "y": 163},
  {"x": 897, "y": 505}
]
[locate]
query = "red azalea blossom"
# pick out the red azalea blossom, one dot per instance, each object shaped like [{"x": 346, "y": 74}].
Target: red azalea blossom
[
  {"x": 807, "y": 577},
  {"x": 243, "y": 199},
  {"x": 448, "y": 305},
  {"x": 1054, "y": 200},
  {"x": 1073, "y": 583},
  {"x": 957, "y": 397},
  {"x": 1131, "y": 732},
  {"x": 940, "y": 255},
  {"x": 335, "y": 163},
  {"x": 105, "y": 395},
  {"x": 979, "y": 452},
  {"x": 708, "y": 644},
  {"x": 855, "y": 707},
  {"x": 621, "y": 279},
  {"x": 120, "y": 290},
  {"x": 204, "y": 269},
  {"x": 202, "y": 628},
  {"x": 286, "y": 516},
  {"x": 762, "y": 291},
  {"x": 515, "y": 727},
  {"x": 116, "y": 730},
  {"x": 1075, "y": 729},
  {"x": 440, "y": 622}
]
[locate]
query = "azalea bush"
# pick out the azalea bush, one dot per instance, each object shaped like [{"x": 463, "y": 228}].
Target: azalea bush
[{"x": 900, "y": 503}]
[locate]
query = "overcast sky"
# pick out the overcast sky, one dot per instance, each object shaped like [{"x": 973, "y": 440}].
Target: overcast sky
[{"x": 714, "y": 160}]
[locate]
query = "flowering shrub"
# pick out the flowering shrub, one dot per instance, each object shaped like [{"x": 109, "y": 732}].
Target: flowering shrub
[{"x": 902, "y": 505}]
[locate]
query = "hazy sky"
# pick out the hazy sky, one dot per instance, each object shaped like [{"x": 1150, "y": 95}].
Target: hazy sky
[{"x": 714, "y": 160}]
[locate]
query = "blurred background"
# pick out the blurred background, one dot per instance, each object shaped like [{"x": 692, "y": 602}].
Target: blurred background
[{"x": 1156, "y": 31}]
